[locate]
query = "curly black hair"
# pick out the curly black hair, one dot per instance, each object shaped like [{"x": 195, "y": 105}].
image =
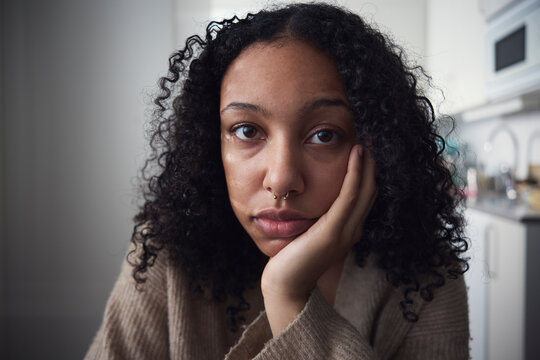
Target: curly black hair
[{"x": 416, "y": 226}]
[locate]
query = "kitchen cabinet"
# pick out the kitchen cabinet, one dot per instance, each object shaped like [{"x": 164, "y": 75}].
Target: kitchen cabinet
[
  {"x": 490, "y": 8},
  {"x": 455, "y": 54},
  {"x": 503, "y": 286}
]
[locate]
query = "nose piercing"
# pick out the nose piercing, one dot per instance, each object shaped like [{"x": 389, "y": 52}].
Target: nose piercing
[{"x": 285, "y": 197}]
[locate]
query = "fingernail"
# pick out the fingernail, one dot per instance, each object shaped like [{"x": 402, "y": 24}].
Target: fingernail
[{"x": 360, "y": 150}]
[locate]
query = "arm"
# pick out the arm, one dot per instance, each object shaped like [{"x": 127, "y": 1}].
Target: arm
[
  {"x": 318, "y": 332},
  {"x": 380, "y": 331}
]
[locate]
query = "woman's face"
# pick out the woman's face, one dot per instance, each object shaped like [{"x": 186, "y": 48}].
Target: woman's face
[{"x": 286, "y": 128}]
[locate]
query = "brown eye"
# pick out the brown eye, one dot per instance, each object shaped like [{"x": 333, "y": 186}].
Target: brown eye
[
  {"x": 246, "y": 132},
  {"x": 324, "y": 137}
]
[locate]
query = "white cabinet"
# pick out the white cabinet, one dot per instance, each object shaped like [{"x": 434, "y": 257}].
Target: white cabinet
[
  {"x": 505, "y": 248},
  {"x": 489, "y": 8},
  {"x": 477, "y": 279},
  {"x": 455, "y": 54},
  {"x": 503, "y": 284}
]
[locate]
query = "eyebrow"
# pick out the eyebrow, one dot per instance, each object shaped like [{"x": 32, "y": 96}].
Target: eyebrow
[
  {"x": 245, "y": 106},
  {"x": 321, "y": 103},
  {"x": 315, "y": 105}
]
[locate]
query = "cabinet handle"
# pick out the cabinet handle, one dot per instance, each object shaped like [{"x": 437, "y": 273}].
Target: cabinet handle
[{"x": 492, "y": 245}]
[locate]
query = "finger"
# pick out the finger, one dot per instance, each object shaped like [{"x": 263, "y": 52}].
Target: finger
[
  {"x": 366, "y": 199},
  {"x": 350, "y": 189},
  {"x": 368, "y": 186},
  {"x": 359, "y": 229}
]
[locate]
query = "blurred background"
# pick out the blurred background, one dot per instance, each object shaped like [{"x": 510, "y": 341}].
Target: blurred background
[{"x": 77, "y": 79}]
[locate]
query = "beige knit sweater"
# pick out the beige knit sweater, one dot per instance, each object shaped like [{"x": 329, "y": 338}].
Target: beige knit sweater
[{"x": 167, "y": 321}]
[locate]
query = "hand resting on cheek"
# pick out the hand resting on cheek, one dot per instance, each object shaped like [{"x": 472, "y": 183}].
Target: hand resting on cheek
[{"x": 291, "y": 275}]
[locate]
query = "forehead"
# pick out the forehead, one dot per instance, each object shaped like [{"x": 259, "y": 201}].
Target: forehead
[{"x": 287, "y": 70}]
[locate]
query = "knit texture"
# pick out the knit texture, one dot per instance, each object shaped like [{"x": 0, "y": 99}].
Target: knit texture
[{"x": 167, "y": 321}]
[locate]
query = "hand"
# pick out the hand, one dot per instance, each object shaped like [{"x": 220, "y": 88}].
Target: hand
[{"x": 291, "y": 275}]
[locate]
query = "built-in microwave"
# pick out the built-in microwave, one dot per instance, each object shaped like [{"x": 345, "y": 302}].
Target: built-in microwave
[{"x": 513, "y": 51}]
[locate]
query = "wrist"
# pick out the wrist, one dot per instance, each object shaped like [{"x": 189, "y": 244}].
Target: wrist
[{"x": 281, "y": 310}]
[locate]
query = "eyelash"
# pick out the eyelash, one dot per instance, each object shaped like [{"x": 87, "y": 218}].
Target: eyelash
[{"x": 235, "y": 131}]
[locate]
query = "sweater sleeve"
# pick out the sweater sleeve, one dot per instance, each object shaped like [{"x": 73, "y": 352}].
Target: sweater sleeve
[
  {"x": 135, "y": 322},
  {"x": 318, "y": 332}
]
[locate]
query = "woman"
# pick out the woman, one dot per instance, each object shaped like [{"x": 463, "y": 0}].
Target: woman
[{"x": 299, "y": 205}]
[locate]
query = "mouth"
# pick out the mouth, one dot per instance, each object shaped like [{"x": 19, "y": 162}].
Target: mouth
[{"x": 282, "y": 224}]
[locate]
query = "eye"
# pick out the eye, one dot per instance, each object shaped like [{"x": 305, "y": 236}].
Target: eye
[
  {"x": 246, "y": 132},
  {"x": 324, "y": 137}
]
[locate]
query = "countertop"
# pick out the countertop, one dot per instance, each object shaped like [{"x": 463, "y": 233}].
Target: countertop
[{"x": 509, "y": 209}]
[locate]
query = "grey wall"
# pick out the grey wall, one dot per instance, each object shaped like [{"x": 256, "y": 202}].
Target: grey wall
[{"x": 74, "y": 78}]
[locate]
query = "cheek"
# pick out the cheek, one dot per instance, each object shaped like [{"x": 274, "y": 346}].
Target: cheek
[
  {"x": 327, "y": 181},
  {"x": 241, "y": 175}
]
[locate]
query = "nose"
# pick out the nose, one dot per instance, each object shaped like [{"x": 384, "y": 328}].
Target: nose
[{"x": 283, "y": 177}]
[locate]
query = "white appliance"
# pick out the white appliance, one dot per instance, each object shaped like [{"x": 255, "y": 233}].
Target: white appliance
[{"x": 513, "y": 51}]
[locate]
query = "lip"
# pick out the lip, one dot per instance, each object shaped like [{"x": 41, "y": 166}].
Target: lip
[{"x": 285, "y": 223}]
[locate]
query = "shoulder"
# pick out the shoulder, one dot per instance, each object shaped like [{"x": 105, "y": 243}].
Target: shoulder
[
  {"x": 442, "y": 330},
  {"x": 152, "y": 280},
  {"x": 446, "y": 313},
  {"x": 136, "y": 316},
  {"x": 377, "y": 311}
]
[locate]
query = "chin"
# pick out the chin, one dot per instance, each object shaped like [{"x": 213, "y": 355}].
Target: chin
[{"x": 272, "y": 247}]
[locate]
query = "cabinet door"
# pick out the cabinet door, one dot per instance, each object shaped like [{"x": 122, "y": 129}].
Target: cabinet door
[
  {"x": 455, "y": 58},
  {"x": 477, "y": 279},
  {"x": 505, "y": 245}
]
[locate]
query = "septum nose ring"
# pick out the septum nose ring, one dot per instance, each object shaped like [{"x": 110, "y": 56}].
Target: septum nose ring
[{"x": 285, "y": 197}]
